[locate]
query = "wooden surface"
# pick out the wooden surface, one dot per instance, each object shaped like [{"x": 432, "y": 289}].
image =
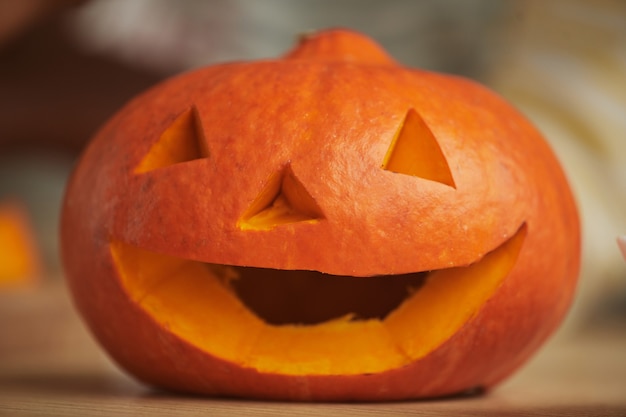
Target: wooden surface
[{"x": 49, "y": 365}]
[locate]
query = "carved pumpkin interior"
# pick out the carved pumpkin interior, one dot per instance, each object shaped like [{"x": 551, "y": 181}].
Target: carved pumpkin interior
[{"x": 308, "y": 322}]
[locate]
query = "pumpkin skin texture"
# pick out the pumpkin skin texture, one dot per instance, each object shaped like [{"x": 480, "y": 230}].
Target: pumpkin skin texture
[{"x": 250, "y": 229}]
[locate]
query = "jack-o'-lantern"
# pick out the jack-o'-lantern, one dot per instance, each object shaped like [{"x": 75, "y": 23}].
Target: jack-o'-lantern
[{"x": 325, "y": 226}]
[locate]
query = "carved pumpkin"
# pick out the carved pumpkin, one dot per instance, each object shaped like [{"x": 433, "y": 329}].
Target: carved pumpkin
[{"x": 325, "y": 226}]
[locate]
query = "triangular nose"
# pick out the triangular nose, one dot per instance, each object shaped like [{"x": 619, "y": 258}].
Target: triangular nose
[
  {"x": 182, "y": 141},
  {"x": 415, "y": 151},
  {"x": 284, "y": 199}
]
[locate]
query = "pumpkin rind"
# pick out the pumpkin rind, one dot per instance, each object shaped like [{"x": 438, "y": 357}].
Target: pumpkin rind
[{"x": 316, "y": 127}]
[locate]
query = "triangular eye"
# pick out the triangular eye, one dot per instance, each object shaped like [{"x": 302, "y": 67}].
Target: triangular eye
[
  {"x": 182, "y": 141},
  {"x": 415, "y": 151},
  {"x": 283, "y": 200}
]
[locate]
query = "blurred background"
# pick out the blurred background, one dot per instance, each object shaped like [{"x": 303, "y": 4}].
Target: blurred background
[{"x": 66, "y": 66}]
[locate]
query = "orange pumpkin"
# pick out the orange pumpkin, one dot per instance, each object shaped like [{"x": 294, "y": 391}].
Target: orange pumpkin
[
  {"x": 20, "y": 264},
  {"x": 325, "y": 226}
]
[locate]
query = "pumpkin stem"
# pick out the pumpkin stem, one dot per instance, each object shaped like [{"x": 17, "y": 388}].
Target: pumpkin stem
[{"x": 340, "y": 45}]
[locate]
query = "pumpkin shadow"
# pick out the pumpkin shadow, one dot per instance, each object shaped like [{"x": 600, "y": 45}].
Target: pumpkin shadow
[
  {"x": 477, "y": 401},
  {"x": 74, "y": 384},
  {"x": 109, "y": 384},
  {"x": 156, "y": 393}
]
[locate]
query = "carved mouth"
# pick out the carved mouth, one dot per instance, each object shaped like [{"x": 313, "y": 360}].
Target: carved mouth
[
  {"x": 310, "y": 297},
  {"x": 303, "y": 322}
]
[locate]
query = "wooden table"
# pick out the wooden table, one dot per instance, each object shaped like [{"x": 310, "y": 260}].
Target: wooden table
[{"x": 49, "y": 365}]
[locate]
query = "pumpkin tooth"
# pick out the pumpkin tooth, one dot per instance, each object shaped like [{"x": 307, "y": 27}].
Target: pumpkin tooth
[
  {"x": 415, "y": 151},
  {"x": 182, "y": 141}
]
